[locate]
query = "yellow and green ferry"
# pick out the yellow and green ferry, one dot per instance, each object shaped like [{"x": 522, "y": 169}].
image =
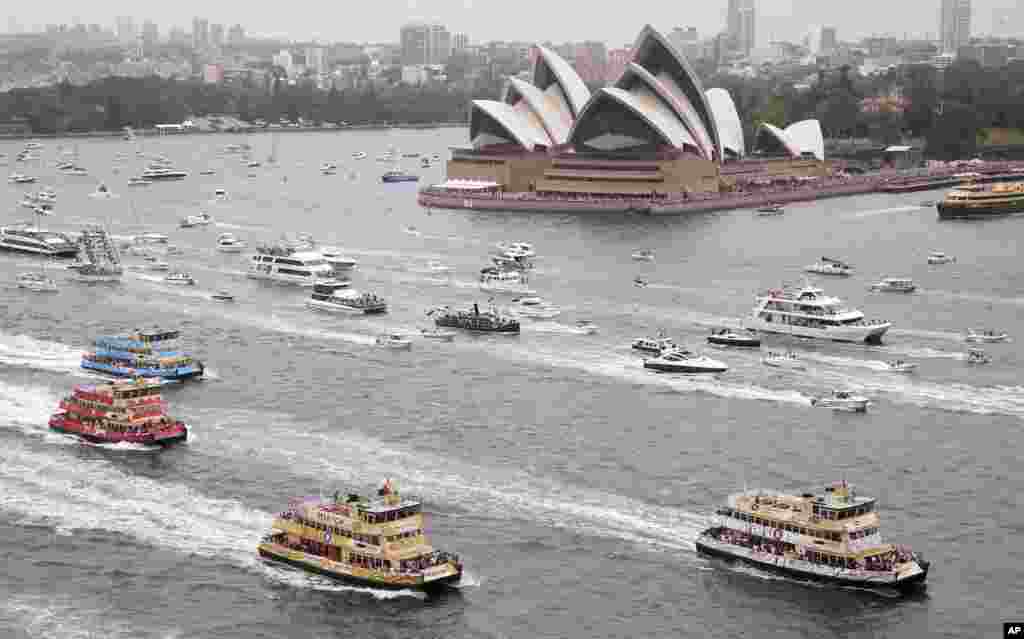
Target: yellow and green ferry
[{"x": 374, "y": 542}]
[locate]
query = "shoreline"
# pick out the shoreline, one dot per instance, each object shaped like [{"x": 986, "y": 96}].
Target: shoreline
[
  {"x": 147, "y": 133},
  {"x": 431, "y": 197}
]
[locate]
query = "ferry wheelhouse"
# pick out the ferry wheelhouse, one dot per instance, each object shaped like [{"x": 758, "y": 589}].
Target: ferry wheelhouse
[
  {"x": 288, "y": 265},
  {"x": 808, "y": 312},
  {"x": 145, "y": 354},
  {"x": 124, "y": 411},
  {"x": 377, "y": 542},
  {"x": 833, "y": 538}
]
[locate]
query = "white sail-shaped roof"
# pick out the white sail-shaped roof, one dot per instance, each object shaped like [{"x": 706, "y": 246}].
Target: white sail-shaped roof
[
  {"x": 549, "y": 69},
  {"x": 615, "y": 119},
  {"x": 658, "y": 56},
  {"x": 776, "y": 135},
  {"x": 550, "y": 111},
  {"x": 636, "y": 80},
  {"x": 727, "y": 119},
  {"x": 493, "y": 122},
  {"x": 806, "y": 136}
]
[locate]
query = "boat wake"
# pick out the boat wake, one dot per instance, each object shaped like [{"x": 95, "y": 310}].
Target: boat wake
[
  {"x": 299, "y": 579},
  {"x": 887, "y": 211},
  {"x": 54, "y": 618},
  {"x": 28, "y": 352},
  {"x": 240, "y": 227}
]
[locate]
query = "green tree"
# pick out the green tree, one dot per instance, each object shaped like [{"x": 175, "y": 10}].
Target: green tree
[{"x": 954, "y": 136}]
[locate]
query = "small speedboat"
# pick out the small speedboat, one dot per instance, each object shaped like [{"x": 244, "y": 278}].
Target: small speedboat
[
  {"x": 534, "y": 308},
  {"x": 938, "y": 257},
  {"x": 37, "y": 283},
  {"x": 180, "y": 278},
  {"x": 978, "y": 356},
  {"x": 436, "y": 333},
  {"x": 154, "y": 264},
  {"x": 829, "y": 266},
  {"x": 900, "y": 366},
  {"x": 653, "y": 344},
  {"x": 207, "y": 172},
  {"x": 220, "y": 194},
  {"x": 222, "y": 296},
  {"x": 425, "y": 163},
  {"x": 438, "y": 267},
  {"x": 516, "y": 249},
  {"x": 895, "y": 285},
  {"x": 643, "y": 255},
  {"x": 927, "y": 204},
  {"x": 18, "y": 178},
  {"x": 139, "y": 181},
  {"x": 359, "y": 155},
  {"x": 76, "y": 171},
  {"x": 985, "y": 336},
  {"x": 729, "y": 337},
  {"x": 228, "y": 243},
  {"x": 328, "y": 168},
  {"x": 842, "y": 400},
  {"x": 337, "y": 259},
  {"x": 394, "y": 340},
  {"x": 150, "y": 238},
  {"x": 399, "y": 176},
  {"x": 585, "y": 327},
  {"x": 678, "y": 360},
  {"x": 190, "y": 221},
  {"x": 783, "y": 360},
  {"x": 770, "y": 209},
  {"x": 639, "y": 281}
]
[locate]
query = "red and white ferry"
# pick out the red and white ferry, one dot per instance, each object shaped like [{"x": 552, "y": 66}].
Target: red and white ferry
[{"x": 123, "y": 411}]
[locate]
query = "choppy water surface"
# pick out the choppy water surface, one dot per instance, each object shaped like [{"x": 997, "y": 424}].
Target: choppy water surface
[{"x": 572, "y": 481}]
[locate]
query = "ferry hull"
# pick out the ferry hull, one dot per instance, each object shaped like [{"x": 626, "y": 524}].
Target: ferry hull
[
  {"x": 180, "y": 373},
  {"x": 870, "y": 333},
  {"x": 309, "y": 563},
  {"x": 708, "y": 546},
  {"x": 951, "y": 212},
  {"x": 177, "y": 433}
]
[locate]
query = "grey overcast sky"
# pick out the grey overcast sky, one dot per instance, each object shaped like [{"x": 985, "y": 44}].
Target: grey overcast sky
[{"x": 615, "y": 22}]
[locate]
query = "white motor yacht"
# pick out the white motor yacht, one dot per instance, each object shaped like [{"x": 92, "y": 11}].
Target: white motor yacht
[
  {"x": 337, "y": 260},
  {"x": 900, "y": 366},
  {"x": 678, "y": 360},
  {"x": 202, "y": 219},
  {"x": 895, "y": 285},
  {"x": 787, "y": 360},
  {"x": 439, "y": 334},
  {"x": 228, "y": 243},
  {"x": 842, "y": 400},
  {"x": 653, "y": 344},
  {"x": 985, "y": 336},
  {"x": 395, "y": 341},
  {"x": 808, "y": 312},
  {"x": 829, "y": 266},
  {"x": 938, "y": 257},
  {"x": 288, "y": 265},
  {"x": 495, "y": 280},
  {"x": 180, "y": 278}
]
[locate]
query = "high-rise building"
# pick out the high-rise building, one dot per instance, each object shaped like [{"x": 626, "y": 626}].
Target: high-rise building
[
  {"x": 460, "y": 42},
  {"x": 177, "y": 36},
  {"x": 955, "y": 24},
  {"x": 236, "y": 34},
  {"x": 200, "y": 33},
  {"x": 216, "y": 35},
  {"x": 150, "y": 35},
  {"x": 126, "y": 29},
  {"x": 740, "y": 25},
  {"x": 828, "y": 40},
  {"x": 316, "y": 59},
  {"x": 425, "y": 44}
]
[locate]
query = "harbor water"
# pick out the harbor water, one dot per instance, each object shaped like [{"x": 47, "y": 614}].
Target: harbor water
[{"x": 572, "y": 482}]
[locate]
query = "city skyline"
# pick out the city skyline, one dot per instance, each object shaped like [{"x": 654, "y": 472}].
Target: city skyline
[{"x": 775, "y": 19}]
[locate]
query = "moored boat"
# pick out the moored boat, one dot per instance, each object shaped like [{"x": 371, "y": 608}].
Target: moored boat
[
  {"x": 119, "y": 412},
  {"x": 377, "y": 543},
  {"x": 833, "y": 538}
]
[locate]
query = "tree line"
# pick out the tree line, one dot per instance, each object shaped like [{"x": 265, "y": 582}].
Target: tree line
[{"x": 117, "y": 102}]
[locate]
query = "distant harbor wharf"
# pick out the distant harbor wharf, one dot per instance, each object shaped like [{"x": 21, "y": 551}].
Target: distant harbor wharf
[
  {"x": 152, "y": 132},
  {"x": 750, "y": 196}
]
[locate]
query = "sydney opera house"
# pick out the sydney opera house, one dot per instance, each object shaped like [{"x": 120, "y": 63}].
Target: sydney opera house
[{"x": 655, "y": 131}]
